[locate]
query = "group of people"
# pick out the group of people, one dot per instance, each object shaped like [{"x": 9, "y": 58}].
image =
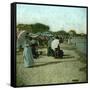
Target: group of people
[
  {"x": 31, "y": 51},
  {"x": 54, "y": 47}
]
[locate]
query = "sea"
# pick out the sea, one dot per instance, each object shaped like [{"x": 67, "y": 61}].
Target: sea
[{"x": 80, "y": 43}]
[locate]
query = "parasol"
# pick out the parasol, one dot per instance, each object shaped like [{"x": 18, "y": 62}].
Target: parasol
[{"x": 21, "y": 39}]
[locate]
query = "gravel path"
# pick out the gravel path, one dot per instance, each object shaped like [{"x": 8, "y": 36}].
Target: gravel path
[{"x": 48, "y": 70}]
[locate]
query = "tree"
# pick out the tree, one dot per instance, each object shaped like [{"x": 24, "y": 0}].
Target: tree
[
  {"x": 72, "y": 33},
  {"x": 62, "y": 32},
  {"x": 38, "y": 27},
  {"x": 24, "y": 27}
]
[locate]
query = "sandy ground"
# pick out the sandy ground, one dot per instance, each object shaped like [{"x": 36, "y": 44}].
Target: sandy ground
[{"x": 48, "y": 70}]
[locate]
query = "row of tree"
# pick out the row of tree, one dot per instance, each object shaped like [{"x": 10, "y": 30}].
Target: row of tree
[{"x": 38, "y": 27}]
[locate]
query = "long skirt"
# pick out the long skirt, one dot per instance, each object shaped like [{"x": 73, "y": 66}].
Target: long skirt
[
  {"x": 50, "y": 51},
  {"x": 28, "y": 57}
]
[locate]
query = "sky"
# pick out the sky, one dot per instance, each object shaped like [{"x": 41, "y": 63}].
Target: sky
[{"x": 56, "y": 17}]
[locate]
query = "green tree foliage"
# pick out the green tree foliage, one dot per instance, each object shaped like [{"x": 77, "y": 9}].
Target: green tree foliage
[
  {"x": 72, "y": 32},
  {"x": 62, "y": 32},
  {"x": 38, "y": 27},
  {"x": 24, "y": 26}
]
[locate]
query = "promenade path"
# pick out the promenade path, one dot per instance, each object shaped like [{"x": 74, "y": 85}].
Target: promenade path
[{"x": 48, "y": 70}]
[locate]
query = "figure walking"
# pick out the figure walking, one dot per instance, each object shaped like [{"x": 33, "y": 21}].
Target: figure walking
[{"x": 27, "y": 53}]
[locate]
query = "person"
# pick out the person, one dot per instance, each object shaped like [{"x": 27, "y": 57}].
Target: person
[
  {"x": 55, "y": 43},
  {"x": 34, "y": 45},
  {"x": 49, "y": 49},
  {"x": 27, "y": 53},
  {"x": 58, "y": 53},
  {"x": 61, "y": 40}
]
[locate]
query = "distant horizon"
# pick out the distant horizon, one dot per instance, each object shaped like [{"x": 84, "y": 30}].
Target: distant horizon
[
  {"x": 57, "y": 18},
  {"x": 52, "y": 31}
]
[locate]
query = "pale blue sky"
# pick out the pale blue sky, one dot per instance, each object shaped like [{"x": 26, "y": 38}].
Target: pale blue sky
[{"x": 58, "y": 18}]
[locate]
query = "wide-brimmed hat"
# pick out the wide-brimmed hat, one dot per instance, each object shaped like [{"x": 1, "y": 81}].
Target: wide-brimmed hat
[{"x": 33, "y": 35}]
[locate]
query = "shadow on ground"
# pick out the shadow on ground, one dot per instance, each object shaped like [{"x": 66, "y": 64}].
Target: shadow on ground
[{"x": 54, "y": 62}]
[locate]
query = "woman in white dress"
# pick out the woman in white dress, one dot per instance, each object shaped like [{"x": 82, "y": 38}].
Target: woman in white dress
[{"x": 27, "y": 53}]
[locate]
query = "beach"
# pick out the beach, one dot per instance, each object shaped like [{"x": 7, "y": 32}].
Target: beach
[{"x": 72, "y": 68}]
